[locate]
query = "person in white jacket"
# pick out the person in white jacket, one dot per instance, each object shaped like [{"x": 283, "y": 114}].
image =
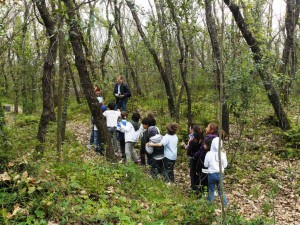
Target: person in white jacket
[
  {"x": 131, "y": 138},
  {"x": 212, "y": 162}
]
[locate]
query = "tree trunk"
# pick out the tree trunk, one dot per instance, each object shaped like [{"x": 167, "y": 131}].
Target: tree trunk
[
  {"x": 14, "y": 79},
  {"x": 105, "y": 50},
  {"x": 23, "y": 73},
  {"x": 88, "y": 47},
  {"x": 87, "y": 86},
  {"x": 263, "y": 73},
  {"x": 183, "y": 60},
  {"x": 5, "y": 79},
  {"x": 66, "y": 98},
  {"x": 129, "y": 67},
  {"x": 61, "y": 72},
  {"x": 162, "y": 26},
  {"x": 170, "y": 96},
  {"x": 74, "y": 84},
  {"x": 211, "y": 26},
  {"x": 288, "y": 56},
  {"x": 106, "y": 45},
  {"x": 49, "y": 62}
]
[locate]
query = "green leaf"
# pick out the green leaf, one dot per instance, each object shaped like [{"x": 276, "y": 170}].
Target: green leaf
[{"x": 31, "y": 190}]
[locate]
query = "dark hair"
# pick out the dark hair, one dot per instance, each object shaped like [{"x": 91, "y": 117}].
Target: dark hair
[
  {"x": 208, "y": 141},
  {"x": 111, "y": 105},
  {"x": 172, "y": 128},
  {"x": 146, "y": 121},
  {"x": 198, "y": 133},
  {"x": 136, "y": 117},
  {"x": 124, "y": 114},
  {"x": 152, "y": 119}
]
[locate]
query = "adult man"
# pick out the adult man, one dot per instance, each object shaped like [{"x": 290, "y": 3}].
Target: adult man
[{"x": 122, "y": 93}]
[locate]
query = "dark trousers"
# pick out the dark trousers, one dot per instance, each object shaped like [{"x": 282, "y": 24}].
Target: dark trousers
[
  {"x": 169, "y": 169},
  {"x": 121, "y": 104},
  {"x": 143, "y": 155},
  {"x": 156, "y": 166},
  {"x": 194, "y": 177},
  {"x": 203, "y": 183},
  {"x": 121, "y": 138}
]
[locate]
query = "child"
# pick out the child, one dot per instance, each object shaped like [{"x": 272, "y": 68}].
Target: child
[
  {"x": 192, "y": 147},
  {"x": 211, "y": 132},
  {"x": 201, "y": 170},
  {"x": 131, "y": 137},
  {"x": 99, "y": 98},
  {"x": 155, "y": 154},
  {"x": 169, "y": 141},
  {"x": 94, "y": 139},
  {"x": 212, "y": 162},
  {"x": 191, "y": 135},
  {"x": 111, "y": 122},
  {"x": 145, "y": 138},
  {"x": 121, "y": 136},
  {"x": 135, "y": 120}
]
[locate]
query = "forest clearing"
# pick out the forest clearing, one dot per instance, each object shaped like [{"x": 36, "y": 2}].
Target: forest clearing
[{"x": 87, "y": 86}]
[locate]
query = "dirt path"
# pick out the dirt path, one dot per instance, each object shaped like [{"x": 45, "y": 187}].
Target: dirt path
[{"x": 249, "y": 195}]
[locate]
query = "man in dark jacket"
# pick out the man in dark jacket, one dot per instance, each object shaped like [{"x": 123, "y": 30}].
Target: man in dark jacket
[{"x": 121, "y": 93}]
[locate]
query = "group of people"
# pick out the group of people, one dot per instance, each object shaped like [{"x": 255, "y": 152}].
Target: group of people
[
  {"x": 157, "y": 151},
  {"x": 202, "y": 148}
]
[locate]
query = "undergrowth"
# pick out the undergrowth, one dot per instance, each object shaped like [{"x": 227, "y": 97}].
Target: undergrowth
[
  {"x": 87, "y": 191},
  {"x": 71, "y": 188}
]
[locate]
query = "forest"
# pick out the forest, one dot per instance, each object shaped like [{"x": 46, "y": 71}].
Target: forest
[{"x": 233, "y": 63}]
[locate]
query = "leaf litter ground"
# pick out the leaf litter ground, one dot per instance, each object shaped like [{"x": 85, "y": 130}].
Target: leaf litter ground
[{"x": 257, "y": 183}]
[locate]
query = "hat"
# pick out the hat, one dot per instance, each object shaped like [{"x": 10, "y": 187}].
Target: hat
[
  {"x": 152, "y": 131},
  {"x": 103, "y": 108}
]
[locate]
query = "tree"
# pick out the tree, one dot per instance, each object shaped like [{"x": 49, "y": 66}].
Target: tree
[
  {"x": 288, "y": 52},
  {"x": 211, "y": 26},
  {"x": 183, "y": 59},
  {"x": 48, "y": 67},
  {"x": 265, "y": 76},
  {"x": 118, "y": 27},
  {"x": 87, "y": 86},
  {"x": 165, "y": 78}
]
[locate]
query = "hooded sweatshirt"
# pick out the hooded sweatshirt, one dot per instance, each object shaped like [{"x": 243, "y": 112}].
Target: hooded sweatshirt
[{"x": 212, "y": 160}]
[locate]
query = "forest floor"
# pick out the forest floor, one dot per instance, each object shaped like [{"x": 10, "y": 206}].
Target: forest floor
[
  {"x": 250, "y": 192},
  {"x": 260, "y": 183}
]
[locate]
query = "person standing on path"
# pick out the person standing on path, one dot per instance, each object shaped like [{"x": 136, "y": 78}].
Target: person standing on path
[{"x": 121, "y": 93}]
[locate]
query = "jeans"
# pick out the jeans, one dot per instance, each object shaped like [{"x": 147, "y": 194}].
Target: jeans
[
  {"x": 97, "y": 143},
  {"x": 92, "y": 136},
  {"x": 121, "y": 104},
  {"x": 213, "y": 180},
  {"x": 168, "y": 165}
]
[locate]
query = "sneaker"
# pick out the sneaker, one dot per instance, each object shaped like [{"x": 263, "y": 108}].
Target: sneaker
[{"x": 88, "y": 147}]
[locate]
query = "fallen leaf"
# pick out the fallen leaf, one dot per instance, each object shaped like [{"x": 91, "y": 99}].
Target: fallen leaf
[
  {"x": 5, "y": 177},
  {"x": 24, "y": 176}
]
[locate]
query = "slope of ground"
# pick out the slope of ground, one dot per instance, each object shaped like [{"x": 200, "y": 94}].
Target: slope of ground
[{"x": 257, "y": 183}]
